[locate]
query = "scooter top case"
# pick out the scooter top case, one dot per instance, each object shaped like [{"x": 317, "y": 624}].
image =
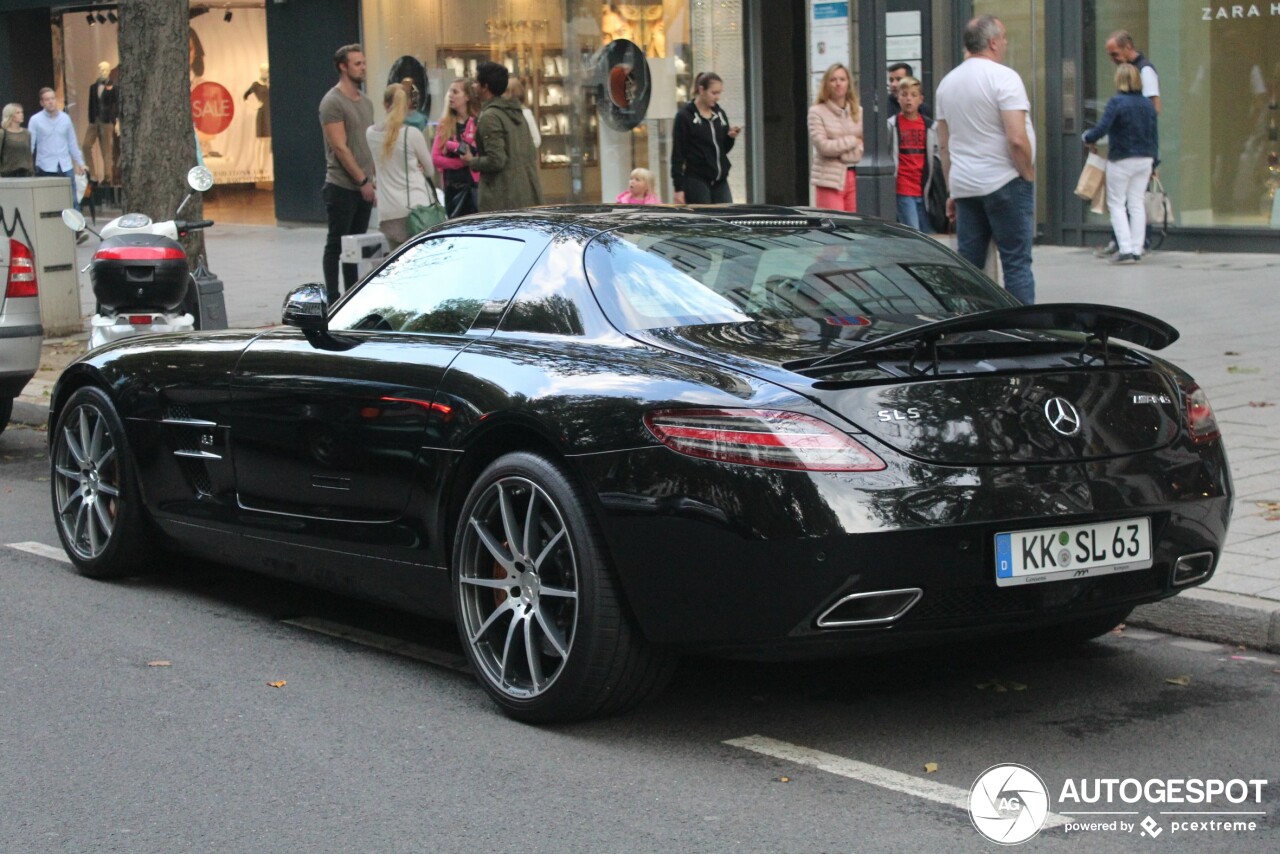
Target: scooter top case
[{"x": 139, "y": 271}]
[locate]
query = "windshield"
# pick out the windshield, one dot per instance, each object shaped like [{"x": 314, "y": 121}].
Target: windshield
[{"x": 666, "y": 275}]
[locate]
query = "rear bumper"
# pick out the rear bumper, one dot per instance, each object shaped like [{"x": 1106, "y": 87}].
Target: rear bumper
[{"x": 750, "y": 566}]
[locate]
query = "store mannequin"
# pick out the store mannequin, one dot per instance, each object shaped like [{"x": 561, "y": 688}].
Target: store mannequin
[
  {"x": 261, "y": 89},
  {"x": 104, "y": 109}
]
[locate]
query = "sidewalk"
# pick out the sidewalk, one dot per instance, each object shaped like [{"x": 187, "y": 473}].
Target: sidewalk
[{"x": 1221, "y": 303}]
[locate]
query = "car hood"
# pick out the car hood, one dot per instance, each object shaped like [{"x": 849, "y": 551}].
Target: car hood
[{"x": 1040, "y": 409}]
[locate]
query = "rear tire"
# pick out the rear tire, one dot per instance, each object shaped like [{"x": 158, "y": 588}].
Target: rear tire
[
  {"x": 537, "y": 608},
  {"x": 94, "y": 488}
]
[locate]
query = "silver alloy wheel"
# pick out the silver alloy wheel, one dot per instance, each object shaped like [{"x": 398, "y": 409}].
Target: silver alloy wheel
[
  {"x": 518, "y": 587},
  {"x": 86, "y": 482}
]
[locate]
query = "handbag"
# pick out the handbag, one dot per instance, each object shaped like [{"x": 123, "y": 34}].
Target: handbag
[
  {"x": 1159, "y": 207},
  {"x": 1093, "y": 176},
  {"x": 935, "y": 200},
  {"x": 421, "y": 217}
]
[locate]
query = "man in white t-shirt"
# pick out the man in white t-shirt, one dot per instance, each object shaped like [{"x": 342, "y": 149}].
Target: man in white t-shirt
[{"x": 989, "y": 156}]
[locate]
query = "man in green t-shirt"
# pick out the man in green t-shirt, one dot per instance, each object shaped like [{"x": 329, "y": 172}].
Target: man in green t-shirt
[{"x": 345, "y": 114}]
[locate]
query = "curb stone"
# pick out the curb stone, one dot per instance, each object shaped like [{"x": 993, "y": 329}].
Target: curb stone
[{"x": 1214, "y": 616}]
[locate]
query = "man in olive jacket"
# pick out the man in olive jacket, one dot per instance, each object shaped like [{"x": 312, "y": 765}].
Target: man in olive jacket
[{"x": 507, "y": 161}]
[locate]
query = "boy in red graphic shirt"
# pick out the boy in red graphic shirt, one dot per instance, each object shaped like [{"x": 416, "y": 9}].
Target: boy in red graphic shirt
[{"x": 914, "y": 144}]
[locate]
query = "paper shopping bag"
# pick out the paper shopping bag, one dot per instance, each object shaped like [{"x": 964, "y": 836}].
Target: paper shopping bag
[{"x": 1093, "y": 176}]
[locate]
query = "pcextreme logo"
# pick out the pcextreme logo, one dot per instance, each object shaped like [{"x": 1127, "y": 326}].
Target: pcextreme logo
[{"x": 1010, "y": 804}]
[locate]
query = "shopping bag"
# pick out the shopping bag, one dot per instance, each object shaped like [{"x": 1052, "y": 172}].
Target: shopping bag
[
  {"x": 1093, "y": 176},
  {"x": 1098, "y": 204},
  {"x": 1159, "y": 207}
]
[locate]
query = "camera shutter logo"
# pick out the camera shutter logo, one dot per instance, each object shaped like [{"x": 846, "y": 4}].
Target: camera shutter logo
[{"x": 1008, "y": 804}]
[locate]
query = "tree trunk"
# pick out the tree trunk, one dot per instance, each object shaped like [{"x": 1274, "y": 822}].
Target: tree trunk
[{"x": 157, "y": 138}]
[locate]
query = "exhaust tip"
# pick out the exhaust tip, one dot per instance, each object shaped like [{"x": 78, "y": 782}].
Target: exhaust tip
[
  {"x": 1192, "y": 567},
  {"x": 875, "y": 608}
]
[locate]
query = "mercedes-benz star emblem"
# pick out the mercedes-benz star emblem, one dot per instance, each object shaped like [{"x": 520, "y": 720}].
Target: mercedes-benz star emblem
[{"x": 1062, "y": 416}]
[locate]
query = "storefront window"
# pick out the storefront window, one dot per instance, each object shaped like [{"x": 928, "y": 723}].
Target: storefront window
[
  {"x": 552, "y": 47},
  {"x": 1219, "y": 69}
]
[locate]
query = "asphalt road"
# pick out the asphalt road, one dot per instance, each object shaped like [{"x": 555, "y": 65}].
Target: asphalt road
[{"x": 138, "y": 716}]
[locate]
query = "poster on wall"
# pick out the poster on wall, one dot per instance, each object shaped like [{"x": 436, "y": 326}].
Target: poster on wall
[
  {"x": 231, "y": 95},
  {"x": 828, "y": 39}
]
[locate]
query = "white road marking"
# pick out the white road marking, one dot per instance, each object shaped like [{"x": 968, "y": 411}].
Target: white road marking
[
  {"x": 383, "y": 642},
  {"x": 853, "y": 769},
  {"x": 51, "y": 552}
]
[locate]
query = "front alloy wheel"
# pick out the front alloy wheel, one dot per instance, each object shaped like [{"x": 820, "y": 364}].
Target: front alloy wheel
[
  {"x": 537, "y": 610},
  {"x": 94, "y": 495},
  {"x": 519, "y": 587}
]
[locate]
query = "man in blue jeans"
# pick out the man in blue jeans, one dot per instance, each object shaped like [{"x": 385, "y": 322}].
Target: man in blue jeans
[{"x": 989, "y": 155}]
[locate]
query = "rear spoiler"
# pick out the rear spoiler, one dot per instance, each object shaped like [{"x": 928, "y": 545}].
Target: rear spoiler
[{"x": 1103, "y": 322}]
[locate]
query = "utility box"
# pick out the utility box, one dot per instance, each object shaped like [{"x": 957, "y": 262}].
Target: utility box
[
  {"x": 31, "y": 211},
  {"x": 366, "y": 251}
]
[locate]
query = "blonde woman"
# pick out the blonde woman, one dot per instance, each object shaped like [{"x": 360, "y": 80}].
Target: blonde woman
[
  {"x": 402, "y": 163},
  {"x": 515, "y": 91},
  {"x": 15, "y": 144},
  {"x": 835, "y": 129},
  {"x": 1129, "y": 123},
  {"x": 457, "y": 135}
]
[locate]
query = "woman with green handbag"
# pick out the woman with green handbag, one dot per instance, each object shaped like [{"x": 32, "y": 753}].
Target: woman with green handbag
[{"x": 407, "y": 201}]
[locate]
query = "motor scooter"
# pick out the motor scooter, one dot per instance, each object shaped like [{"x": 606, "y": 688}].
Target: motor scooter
[{"x": 140, "y": 275}]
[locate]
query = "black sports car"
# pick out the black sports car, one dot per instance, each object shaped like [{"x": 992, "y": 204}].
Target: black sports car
[{"x": 597, "y": 436}]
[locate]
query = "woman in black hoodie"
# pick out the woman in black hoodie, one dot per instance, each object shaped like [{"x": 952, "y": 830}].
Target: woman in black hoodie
[{"x": 700, "y": 145}]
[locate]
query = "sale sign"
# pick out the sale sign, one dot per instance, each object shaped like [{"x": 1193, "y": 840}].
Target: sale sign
[{"x": 211, "y": 107}]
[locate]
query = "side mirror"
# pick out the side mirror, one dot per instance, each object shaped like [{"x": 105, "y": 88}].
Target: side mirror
[
  {"x": 199, "y": 179},
  {"x": 73, "y": 220},
  {"x": 307, "y": 308}
]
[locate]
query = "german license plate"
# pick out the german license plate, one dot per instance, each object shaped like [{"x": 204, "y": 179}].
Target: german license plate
[{"x": 1056, "y": 554}]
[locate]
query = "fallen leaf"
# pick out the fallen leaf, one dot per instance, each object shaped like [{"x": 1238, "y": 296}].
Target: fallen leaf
[
  {"x": 1258, "y": 404},
  {"x": 1236, "y": 369},
  {"x": 1184, "y": 681},
  {"x": 782, "y": 779},
  {"x": 159, "y": 664},
  {"x": 1231, "y": 353},
  {"x": 1273, "y": 506},
  {"x": 930, "y": 767},
  {"x": 279, "y": 684},
  {"x": 1017, "y": 686}
]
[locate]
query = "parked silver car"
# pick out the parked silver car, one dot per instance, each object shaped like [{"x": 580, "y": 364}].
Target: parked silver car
[{"x": 20, "y": 331}]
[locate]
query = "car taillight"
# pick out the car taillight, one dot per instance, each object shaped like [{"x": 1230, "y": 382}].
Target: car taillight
[
  {"x": 22, "y": 271},
  {"x": 1200, "y": 420},
  {"x": 760, "y": 437}
]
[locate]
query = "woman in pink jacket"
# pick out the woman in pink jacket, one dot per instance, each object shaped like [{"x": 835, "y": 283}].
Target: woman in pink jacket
[
  {"x": 835, "y": 128},
  {"x": 455, "y": 135}
]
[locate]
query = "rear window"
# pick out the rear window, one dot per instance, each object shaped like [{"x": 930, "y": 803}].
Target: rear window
[{"x": 724, "y": 273}]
